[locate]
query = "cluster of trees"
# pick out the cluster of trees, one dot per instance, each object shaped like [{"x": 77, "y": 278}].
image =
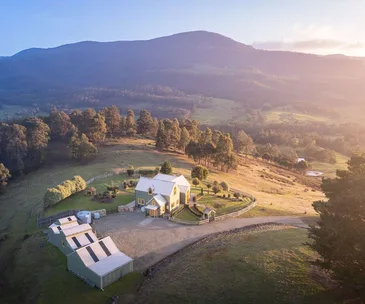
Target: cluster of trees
[
  {"x": 22, "y": 146},
  {"x": 208, "y": 147},
  {"x": 55, "y": 195},
  {"x": 339, "y": 235}
]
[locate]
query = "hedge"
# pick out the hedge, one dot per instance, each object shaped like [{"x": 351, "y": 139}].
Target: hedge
[{"x": 54, "y": 195}]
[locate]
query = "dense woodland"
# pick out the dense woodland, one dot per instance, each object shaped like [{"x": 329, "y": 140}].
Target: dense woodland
[{"x": 24, "y": 143}]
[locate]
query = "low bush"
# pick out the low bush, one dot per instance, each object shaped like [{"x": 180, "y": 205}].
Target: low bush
[
  {"x": 195, "y": 181},
  {"x": 224, "y": 186},
  {"x": 224, "y": 196},
  {"x": 229, "y": 195},
  {"x": 236, "y": 195}
]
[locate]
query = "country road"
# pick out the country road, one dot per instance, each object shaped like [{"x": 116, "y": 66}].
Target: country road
[{"x": 149, "y": 240}]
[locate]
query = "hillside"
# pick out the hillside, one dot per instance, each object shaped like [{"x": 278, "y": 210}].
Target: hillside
[{"x": 194, "y": 63}]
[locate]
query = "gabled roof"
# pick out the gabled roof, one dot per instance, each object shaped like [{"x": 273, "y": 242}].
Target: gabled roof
[
  {"x": 180, "y": 181},
  {"x": 160, "y": 200},
  {"x": 66, "y": 220},
  {"x": 57, "y": 228},
  {"x": 81, "y": 240},
  {"x": 76, "y": 230},
  {"x": 157, "y": 186},
  {"x": 102, "y": 256}
]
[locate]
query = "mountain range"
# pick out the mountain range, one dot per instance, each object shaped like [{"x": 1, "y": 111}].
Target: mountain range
[{"x": 194, "y": 62}]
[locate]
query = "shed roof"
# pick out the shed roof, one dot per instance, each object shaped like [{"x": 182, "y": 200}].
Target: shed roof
[
  {"x": 81, "y": 240},
  {"x": 157, "y": 186},
  {"x": 208, "y": 210},
  {"x": 57, "y": 228},
  {"x": 77, "y": 229},
  {"x": 66, "y": 220},
  {"x": 151, "y": 207},
  {"x": 102, "y": 256}
]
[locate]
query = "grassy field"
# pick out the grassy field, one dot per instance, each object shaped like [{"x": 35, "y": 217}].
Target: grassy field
[
  {"x": 81, "y": 201},
  {"x": 282, "y": 116},
  {"x": 222, "y": 110},
  {"x": 329, "y": 170},
  {"x": 251, "y": 267},
  {"x": 223, "y": 205}
]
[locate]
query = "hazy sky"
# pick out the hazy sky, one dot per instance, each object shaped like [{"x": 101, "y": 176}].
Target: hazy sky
[{"x": 316, "y": 26}]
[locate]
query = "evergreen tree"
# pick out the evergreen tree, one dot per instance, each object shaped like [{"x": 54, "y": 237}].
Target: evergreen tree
[
  {"x": 161, "y": 136},
  {"x": 144, "y": 123},
  {"x": 339, "y": 236},
  {"x": 81, "y": 148},
  {"x": 112, "y": 120},
  {"x": 130, "y": 123},
  {"x": 244, "y": 143},
  {"x": 154, "y": 127},
  {"x": 123, "y": 125},
  {"x": 60, "y": 124},
  {"x": 184, "y": 139},
  {"x": 37, "y": 140},
  {"x": 166, "y": 168}
]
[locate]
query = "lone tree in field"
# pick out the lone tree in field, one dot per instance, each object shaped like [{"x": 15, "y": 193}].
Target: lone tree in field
[
  {"x": 166, "y": 168},
  {"x": 339, "y": 236},
  {"x": 216, "y": 189},
  {"x": 209, "y": 186},
  {"x": 200, "y": 172}
]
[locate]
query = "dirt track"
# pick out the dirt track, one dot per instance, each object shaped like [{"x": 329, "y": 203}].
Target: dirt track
[{"x": 150, "y": 240}]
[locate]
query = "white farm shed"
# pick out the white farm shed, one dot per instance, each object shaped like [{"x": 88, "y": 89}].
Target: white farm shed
[
  {"x": 100, "y": 263},
  {"x": 70, "y": 236}
]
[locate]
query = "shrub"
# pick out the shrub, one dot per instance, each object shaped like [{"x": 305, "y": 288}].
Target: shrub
[
  {"x": 224, "y": 196},
  {"x": 236, "y": 195},
  {"x": 80, "y": 183},
  {"x": 195, "y": 181},
  {"x": 166, "y": 168},
  {"x": 199, "y": 172},
  {"x": 216, "y": 189},
  {"x": 130, "y": 170},
  {"x": 201, "y": 191},
  {"x": 224, "y": 186},
  {"x": 229, "y": 195},
  {"x": 215, "y": 183},
  {"x": 156, "y": 171},
  {"x": 52, "y": 197}
]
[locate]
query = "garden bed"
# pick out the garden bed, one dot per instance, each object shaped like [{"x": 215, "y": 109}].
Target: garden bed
[
  {"x": 83, "y": 202},
  {"x": 224, "y": 205}
]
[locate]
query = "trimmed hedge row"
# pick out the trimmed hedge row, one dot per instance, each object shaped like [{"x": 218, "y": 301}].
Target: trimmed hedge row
[{"x": 54, "y": 195}]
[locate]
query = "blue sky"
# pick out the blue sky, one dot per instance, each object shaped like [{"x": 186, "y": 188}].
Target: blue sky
[{"x": 317, "y": 26}]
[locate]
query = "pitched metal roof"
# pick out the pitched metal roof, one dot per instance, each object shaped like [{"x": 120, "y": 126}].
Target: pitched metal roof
[
  {"x": 57, "y": 228},
  {"x": 102, "y": 256},
  {"x": 81, "y": 240},
  {"x": 157, "y": 186},
  {"x": 66, "y": 220}
]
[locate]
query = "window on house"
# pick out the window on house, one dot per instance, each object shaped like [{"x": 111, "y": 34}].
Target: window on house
[{"x": 175, "y": 191}]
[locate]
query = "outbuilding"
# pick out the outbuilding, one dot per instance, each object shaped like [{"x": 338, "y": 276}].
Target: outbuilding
[{"x": 100, "y": 263}]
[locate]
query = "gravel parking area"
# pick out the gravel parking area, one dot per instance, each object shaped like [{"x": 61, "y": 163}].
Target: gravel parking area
[{"x": 149, "y": 240}]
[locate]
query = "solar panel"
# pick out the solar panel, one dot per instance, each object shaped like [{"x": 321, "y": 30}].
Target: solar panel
[
  {"x": 69, "y": 219},
  {"x": 92, "y": 254},
  {"x": 106, "y": 250},
  {"x": 59, "y": 228},
  {"x": 76, "y": 241},
  {"x": 89, "y": 237}
]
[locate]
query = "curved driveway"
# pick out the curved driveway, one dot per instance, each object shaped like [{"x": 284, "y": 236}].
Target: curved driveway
[{"x": 149, "y": 240}]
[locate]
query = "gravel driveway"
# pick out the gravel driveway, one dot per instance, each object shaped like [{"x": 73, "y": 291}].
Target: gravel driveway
[{"x": 148, "y": 240}]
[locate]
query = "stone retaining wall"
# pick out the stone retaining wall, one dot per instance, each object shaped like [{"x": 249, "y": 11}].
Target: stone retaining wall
[{"x": 102, "y": 212}]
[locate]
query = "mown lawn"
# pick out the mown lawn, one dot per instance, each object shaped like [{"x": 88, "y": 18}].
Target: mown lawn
[
  {"x": 242, "y": 267},
  {"x": 186, "y": 215},
  {"x": 82, "y": 201},
  {"x": 223, "y": 205}
]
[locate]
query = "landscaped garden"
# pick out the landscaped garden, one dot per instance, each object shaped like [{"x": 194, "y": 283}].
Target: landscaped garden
[
  {"x": 107, "y": 193},
  {"x": 223, "y": 205}
]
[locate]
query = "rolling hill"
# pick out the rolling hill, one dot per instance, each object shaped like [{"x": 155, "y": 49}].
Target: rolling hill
[{"x": 195, "y": 63}]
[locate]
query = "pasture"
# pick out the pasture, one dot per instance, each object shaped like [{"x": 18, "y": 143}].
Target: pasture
[{"x": 263, "y": 265}]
